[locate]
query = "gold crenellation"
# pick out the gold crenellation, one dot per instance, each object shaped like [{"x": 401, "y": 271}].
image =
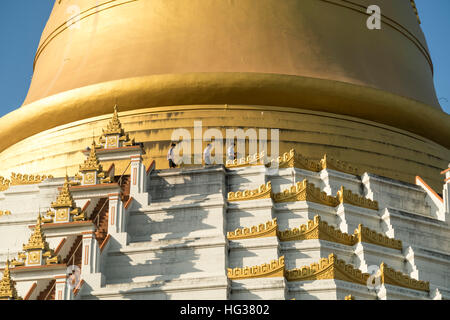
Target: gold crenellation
[
  {"x": 267, "y": 270},
  {"x": 347, "y": 196},
  {"x": 269, "y": 229},
  {"x": 251, "y": 160},
  {"x": 397, "y": 278},
  {"x": 263, "y": 192}
]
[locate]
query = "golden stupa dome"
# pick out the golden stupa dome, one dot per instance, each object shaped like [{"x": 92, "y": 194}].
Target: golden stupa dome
[{"x": 311, "y": 68}]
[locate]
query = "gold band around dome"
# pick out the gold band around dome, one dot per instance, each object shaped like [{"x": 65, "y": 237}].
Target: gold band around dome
[{"x": 252, "y": 89}]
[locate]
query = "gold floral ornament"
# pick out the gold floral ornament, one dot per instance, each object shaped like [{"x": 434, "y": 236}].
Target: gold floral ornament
[
  {"x": 349, "y": 297},
  {"x": 36, "y": 252},
  {"x": 4, "y": 184},
  {"x": 305, "y": 191},
  {"x": 8, "y": 286},
  {"x": 328, "y": 268},
  {"x": 251, "y": 160},
  {"x": 269, "y": 229},
  {"x": 21, "y": 179},
  {"x": 91, "y": 171},
  {"x": 328, "y": 162},
  {"x": 396, "y": 278},
  {"x": 64, "y": 208},
  {"x": 263, "y": 192},
  {"x": 347, "y": 196},
  {"x": 5, "y": 213},
  {"x": 292, "y": 159},
  {"x": 267, "y": 270},
  {"x": 114, "y": 136}
]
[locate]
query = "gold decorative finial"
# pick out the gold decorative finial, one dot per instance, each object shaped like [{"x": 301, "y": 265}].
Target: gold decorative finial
[
  {"x": 91, "y": 163},
  {"x": 64, "y": 207},
  {"x": 114, "y": 125},
  {"x": 37, "y": 251},
  {"x": 64, "y": 199},
  {"x": 37, "y": 239},
  {"x": 7, "y": 286},
  {"x": 114, "y": 136}
]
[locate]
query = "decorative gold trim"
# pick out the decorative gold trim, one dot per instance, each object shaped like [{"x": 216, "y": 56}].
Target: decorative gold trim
[
  {"x": 347, "y": 196},
  {"x": 5, "y": 213},
  {"x": 328, "y": 268},
  {"x": 364, "y": 234},
  {"x": 263, "y": 192},
  {"x": 269, "y": 229},
  {"x": 305, "y": 191},
  {"x": 8, "y": 286},
  {"x": 413, "y": 3},
  {"x": 21, "y": 179},
  {"x": 317, "y": 229},
  {"x": 252, "y": 160},
  {"x": 266, "y": 270},
  {"x": 292, "y": 159},
  {"x": 349, "y": 297},
  {"x": 4, "y": 184},
  {"x": 397, "y": 278},
  {"x": 328, "y": 162}
]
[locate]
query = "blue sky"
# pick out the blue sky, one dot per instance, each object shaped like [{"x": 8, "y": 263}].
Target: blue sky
[{"x": 22, "y": 22}]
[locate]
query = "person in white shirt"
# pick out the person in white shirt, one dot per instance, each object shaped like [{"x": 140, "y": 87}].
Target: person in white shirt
[
  {"x": 207, "y": 154},
  {"x": 171, "y": 156},
  {"x": 230, "y": 152}
]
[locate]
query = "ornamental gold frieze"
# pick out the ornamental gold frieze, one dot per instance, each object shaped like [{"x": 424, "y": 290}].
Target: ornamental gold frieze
[
  {"x": 267, "y": 270},
  {"x": 4, "y": 184},
  {"x": 349, "y": 297},
  {"x": 328, "y": 268},
  {"x": 292, "y": 159},
  {"x": 328, "y": 162},
  {"x": 347, "y": 196},
  {"x": 397, "y": 278},
  {"x": 251, "y": 160},
  {"x": 22, "y": 179},
  {"x": 316, "y": 229},
  {"x": 5, "y": 213},
  {"x": 364, "y": 234},
  {"x": 269, "y": 229},
  {"x": 263, "y": 192},
  {"x": 305, "y": 191}
]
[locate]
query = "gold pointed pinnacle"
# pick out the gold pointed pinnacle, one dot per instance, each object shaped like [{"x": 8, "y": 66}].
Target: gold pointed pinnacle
[
  {"x": 64, "y": 198},
  {"x": 37, "y": 239},
  {"x": 7, "y": 285}
]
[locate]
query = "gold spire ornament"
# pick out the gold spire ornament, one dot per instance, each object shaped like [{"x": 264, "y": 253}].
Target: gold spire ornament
[
  {"x": 91, "y": 163},
  {"x": 37, "y": 251},
  {"x": 8, "y": 286},
  {"x": 64, "y": 208},
  {"x": 91, "y": 171},
  {"x": 114, "y": 136}
]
